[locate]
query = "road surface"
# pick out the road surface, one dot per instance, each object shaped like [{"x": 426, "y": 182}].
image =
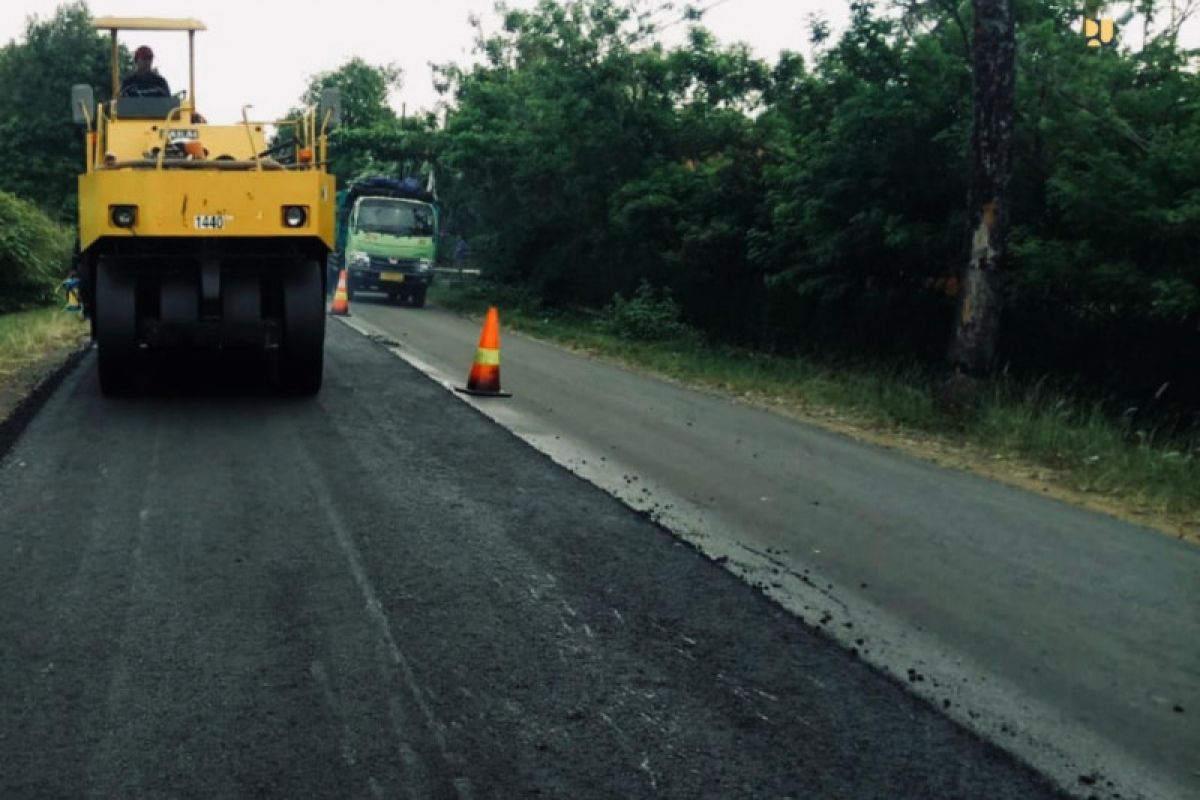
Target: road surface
[
  {"x": 381, "y": 593},
  {"x": 1071, "y": 638}
]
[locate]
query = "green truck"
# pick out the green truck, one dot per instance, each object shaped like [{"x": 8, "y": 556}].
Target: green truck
[{"x": 386, "y": 239}]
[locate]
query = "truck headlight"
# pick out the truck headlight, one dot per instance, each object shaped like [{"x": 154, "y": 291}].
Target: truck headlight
[
  {"x": 424, "y": 265},
  {"x": 357, "y": 258}
]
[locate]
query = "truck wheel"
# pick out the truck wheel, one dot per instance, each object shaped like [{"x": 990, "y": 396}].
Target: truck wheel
[
  {"x": 418, "y": 296},
  {"x": 302, "y": 351},
  {"x": 116, "y": 326}
]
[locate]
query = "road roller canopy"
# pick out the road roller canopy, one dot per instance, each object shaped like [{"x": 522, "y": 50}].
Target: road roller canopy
[
  {"x": 116, "y": 24},
  {"x": 146, "y": 24}
]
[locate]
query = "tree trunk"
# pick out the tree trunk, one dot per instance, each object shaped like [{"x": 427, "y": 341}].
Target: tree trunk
[{"x": 978, "y": 322}]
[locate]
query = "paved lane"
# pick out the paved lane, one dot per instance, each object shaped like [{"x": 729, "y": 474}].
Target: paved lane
[
  {"x": 1069, "y": 637},
  {"x": 379, "y": 593}
]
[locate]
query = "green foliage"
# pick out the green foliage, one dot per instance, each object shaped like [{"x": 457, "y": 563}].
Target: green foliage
[
  {"x": 866, "y": 190},
  {"x": 649, "y": 316},
  {"x": 564, "y": 110},
  {"x": 684, "y": 226},
  {"x": 41, "y": 149},
  {"x": 365, "y": 89},
  {"x": 397, "y": 147},
  {"x": 1105, "y": 281},
  {"x": 35, "y": 254},
  {"x": 371, "y": 139}
]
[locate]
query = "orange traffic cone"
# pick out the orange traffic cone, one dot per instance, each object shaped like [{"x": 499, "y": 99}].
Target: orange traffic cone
[
  {"x": 341, "y": 298},
  {"x": 484, "y": 380}
]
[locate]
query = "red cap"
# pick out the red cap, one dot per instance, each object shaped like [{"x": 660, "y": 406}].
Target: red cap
[{"x": 143, "y": 52}]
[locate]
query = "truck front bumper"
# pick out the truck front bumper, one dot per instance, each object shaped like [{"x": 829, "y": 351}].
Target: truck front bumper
[{"x": 370, "y": 280}]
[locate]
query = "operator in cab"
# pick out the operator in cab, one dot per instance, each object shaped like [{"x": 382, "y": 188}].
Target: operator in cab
[{"x": 145, "y": 80}]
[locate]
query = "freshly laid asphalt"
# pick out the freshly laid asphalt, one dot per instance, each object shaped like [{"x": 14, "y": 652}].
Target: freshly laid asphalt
[
  {"x": 1069, "y": 638},
  {"x": 379, "y": 592}
]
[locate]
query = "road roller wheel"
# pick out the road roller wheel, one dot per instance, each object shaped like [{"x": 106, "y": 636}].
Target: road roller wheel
[
  {"x": 116, "y": 326},
  {"x": 302, "y": 349}
]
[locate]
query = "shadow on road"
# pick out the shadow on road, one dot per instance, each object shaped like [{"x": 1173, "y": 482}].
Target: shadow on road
[{"x": 209, "y": 374}]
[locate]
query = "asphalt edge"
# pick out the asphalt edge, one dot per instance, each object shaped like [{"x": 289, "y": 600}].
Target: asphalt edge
[{"x": 13, "y": 425}]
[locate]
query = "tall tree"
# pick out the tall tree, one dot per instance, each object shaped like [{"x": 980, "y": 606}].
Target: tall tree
[
  {"x": 41, "y": 150},
  {"x": 366, "y": 115},
  {"x": 977, "y": 325},
  {"x": 865, "y": 189},
  {"x": 566, "y": 106},
  {"x": 365, "y": 89}
]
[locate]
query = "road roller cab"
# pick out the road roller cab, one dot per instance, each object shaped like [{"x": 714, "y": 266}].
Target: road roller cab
[{"x": 199, "y": 235}]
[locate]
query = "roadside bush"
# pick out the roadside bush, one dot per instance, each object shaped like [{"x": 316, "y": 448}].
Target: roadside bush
[
  {"x": 651, "y": 315},
  {"x": 35, "y": 255}
]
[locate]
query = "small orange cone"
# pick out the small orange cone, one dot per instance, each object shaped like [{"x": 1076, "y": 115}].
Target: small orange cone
[
  {"x": 484, "y": 380},
  {"x": 341, "y": 298}
]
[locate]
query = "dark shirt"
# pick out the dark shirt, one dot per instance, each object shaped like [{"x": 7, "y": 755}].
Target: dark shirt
[{"x": 145, "y": 84}]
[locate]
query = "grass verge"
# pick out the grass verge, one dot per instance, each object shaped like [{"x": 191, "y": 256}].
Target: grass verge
[
  {"x": 29, "y": 342},
  {"x": 1027, "y": 436}
]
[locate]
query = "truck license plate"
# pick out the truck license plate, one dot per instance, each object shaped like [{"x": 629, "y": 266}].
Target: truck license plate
[
  {"x": 210, "y": 222},
  {"x": 395, "y": 277}
]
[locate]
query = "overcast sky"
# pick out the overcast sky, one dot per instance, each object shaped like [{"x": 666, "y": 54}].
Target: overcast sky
[{"x": 263, "y": 52}]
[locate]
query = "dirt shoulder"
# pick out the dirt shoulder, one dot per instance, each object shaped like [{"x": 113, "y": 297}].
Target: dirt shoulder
[
  {"x": 24, "y": 384},
  {"x": 15, "y": 388}
]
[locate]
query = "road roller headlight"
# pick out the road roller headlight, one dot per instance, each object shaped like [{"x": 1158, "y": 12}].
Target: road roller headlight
[
  {"x": 357, "y": 258},
  {"x": 123, "y": 216},
  {"x": 295, "y": 216}
]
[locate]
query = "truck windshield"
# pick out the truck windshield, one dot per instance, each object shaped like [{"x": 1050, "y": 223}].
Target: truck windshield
[{"x": 395, "y": 219}]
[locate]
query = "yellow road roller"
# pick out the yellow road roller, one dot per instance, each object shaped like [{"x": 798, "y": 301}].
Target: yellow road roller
[{"x": 196, "y": 235}]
